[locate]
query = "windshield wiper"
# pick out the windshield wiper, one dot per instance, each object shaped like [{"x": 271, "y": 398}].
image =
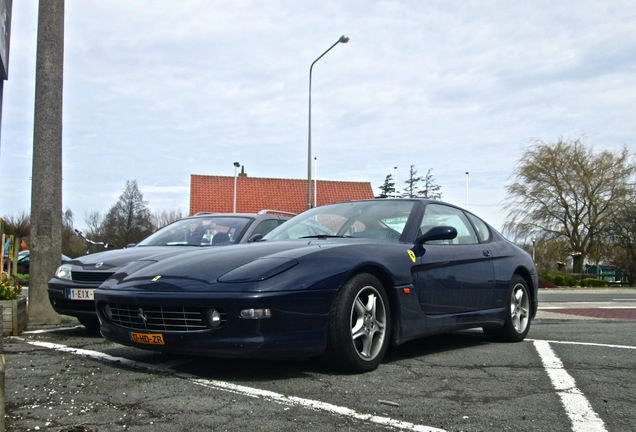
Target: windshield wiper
[{"x": 324, "y": 236}]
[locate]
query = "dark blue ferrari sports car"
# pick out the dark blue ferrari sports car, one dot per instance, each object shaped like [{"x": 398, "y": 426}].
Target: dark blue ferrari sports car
[{"x": 341, "y": 282}]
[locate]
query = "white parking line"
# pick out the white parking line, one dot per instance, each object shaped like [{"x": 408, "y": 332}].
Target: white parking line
[
  {"x": 577, "y": 407},
  {"x": 50, "y": 330},
  {"x": 246, "y": 391},
  {"x": 629, "y": 347}
]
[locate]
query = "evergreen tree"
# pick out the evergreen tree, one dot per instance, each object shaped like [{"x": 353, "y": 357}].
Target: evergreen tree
[
  {"x": 129, "y": 220},
  {"x": 388, "y": 188},
  {"x": 431, "y": 189},
  {"x": 412, "y": 183}
]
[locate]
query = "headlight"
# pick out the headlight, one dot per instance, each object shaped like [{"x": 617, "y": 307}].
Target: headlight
[{"x": 64, "y": 272}]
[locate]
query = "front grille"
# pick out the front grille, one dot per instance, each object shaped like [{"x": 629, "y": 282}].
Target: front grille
[
  {"x": 91, "y": 276},
  {"x": 160, "y": 318}
]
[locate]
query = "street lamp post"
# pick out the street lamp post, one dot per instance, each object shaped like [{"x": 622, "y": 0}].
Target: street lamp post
[
  {"x": 315, "y": 182},
  {"x": 534, "y": 246},
  {"x": 467, "y": 176},
  {"x": 395, "y": 181},
  {"x": 236, "y": 167},
  {"x": 343, "y": 39}
]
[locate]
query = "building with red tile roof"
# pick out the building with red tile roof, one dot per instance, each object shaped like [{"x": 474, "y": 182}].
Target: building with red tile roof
[{"x": 216, "y": 193}]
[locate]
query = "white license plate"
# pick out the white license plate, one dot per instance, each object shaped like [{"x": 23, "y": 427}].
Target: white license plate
[{"x": 87, "y": 294}]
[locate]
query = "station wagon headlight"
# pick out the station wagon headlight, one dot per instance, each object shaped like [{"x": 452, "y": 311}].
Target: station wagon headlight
[{"x": 64, "y": 272}]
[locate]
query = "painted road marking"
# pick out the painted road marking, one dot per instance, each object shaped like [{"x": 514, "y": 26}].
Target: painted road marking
[
  {"x": 246, "y": 391},
  {"x": 585, "y": 344},
  {"x": 577, "y": 407}
]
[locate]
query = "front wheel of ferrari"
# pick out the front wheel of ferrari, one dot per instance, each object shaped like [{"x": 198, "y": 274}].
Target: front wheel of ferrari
[
  {"x": 518, "y": 314},
  {"x": 359, "y": 325}
]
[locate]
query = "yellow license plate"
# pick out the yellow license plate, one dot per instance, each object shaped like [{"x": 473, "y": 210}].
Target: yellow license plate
[{"x": 147, "y": 338}]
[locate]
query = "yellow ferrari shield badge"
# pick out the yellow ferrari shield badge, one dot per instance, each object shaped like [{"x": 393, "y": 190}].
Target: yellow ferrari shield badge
[{"x": 411, "y": 254}]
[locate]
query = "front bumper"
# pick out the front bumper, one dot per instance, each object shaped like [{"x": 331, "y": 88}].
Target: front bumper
[
  {"x": 60, "y": 298},
  {"x": 297, "y": 326}
]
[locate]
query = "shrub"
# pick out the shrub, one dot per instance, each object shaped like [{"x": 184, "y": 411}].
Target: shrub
[
  {"x": 9, "y": 288},
  {"x": 22, "y": 277},
  {"x": 544, "y": 282},
  {"x": 590, "y": 282},
  {"x": 559, "y": 280}
]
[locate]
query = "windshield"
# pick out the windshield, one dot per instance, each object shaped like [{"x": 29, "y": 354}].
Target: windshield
[
  {"x": 378, "y": 219},
  {"x": 199, "y": 231}
]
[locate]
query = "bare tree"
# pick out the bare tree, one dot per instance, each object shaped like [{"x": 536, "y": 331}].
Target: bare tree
[
  {"x": 164, "y": 217},
  {"x": 94, "y": 225},
  {"x": 565, "y": 190},
  {"x": 622, "y": 238},
  {"x": 19, "y": 225}
]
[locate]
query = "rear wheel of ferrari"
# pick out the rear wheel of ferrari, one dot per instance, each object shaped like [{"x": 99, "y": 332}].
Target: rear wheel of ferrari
[
  {"x": 518, "y": 316},
  {"x": 359, "y": 325}
]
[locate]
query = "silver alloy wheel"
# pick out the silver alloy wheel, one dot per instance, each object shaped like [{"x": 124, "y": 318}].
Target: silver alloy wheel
[
  {"x": 520, "y": 308},
  {"x": 368, "y": 323}
]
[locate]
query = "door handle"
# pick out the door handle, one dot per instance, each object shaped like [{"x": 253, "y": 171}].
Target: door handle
[{"x": 487, "y": 253}]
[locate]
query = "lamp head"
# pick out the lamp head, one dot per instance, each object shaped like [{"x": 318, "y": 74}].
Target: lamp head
[
  {"x": 343, "y": 39},
  {"x": 236, "y": 164}
]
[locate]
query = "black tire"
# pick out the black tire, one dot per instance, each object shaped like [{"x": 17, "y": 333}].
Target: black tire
[
  {"x": 91, "y": 324},
  {"x": 359, "y": 326},
  {"x": 518, "y": 314}
]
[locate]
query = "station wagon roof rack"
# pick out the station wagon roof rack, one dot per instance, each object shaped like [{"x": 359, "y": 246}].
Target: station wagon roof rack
[{"x": 276, "y": 211}]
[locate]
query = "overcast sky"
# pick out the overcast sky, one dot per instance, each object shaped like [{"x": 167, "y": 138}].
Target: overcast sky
[{"x": 157, "y": 90}]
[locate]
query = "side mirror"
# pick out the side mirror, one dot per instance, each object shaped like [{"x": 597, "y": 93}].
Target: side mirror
[
  {"x": 437, "y": 233},
  {"x": 255, "y": 238},
  {"x": 129, "y": 245}
]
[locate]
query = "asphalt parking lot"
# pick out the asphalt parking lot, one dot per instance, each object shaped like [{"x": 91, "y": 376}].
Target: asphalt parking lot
[{"x": 574, "y": 372}]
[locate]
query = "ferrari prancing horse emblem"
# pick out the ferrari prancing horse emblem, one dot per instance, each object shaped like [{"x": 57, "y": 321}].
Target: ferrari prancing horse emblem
[{"x": 411, "y": 254}]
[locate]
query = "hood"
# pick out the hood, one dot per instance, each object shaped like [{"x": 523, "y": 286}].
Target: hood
[
  {"x": 115, "y": 259},
  {"x": 249, "y": 262}
]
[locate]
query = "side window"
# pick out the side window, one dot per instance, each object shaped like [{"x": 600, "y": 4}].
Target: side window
[
  {"x": 266, "y": 226},
  {"x": 442, "y": 215},
  {"x": 483, "y": 232}
]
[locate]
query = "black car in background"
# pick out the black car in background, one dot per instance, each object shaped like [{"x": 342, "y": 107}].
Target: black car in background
[
  {"x": 71, "y": 289},
  {"x": 24, "y": 261}
]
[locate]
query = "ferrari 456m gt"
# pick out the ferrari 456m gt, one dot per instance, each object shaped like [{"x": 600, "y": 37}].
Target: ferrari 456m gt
[{"x": 341, "y": 282}]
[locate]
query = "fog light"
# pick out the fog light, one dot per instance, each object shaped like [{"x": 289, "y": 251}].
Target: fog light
[
  {"x": 213, "y": 318},
  {"x": 256, "y": 313},
  {"x": 108, "y": 312}
]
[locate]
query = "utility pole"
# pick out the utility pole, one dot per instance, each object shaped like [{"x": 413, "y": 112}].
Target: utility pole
[{"x": 46, "y": 184}]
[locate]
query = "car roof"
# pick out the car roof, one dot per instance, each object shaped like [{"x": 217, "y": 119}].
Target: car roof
[{"x": 277, "y": 213}]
